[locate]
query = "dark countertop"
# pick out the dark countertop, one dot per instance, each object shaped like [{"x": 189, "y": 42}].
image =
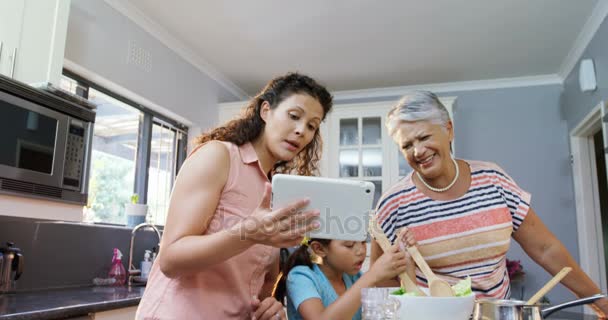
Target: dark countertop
[
  {"x": 63, "y": 303},
  {"x": 565, "y": 315}
]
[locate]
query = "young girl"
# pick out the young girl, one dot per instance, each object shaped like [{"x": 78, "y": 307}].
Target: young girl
[
  {"x": 219, "y": 255},
  {"x": 332, "y": 289}
]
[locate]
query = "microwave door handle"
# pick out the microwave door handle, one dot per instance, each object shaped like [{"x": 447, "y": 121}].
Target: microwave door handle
[
  {"x": 1, "y": 50},
  {"x": 13, "y": 62}
]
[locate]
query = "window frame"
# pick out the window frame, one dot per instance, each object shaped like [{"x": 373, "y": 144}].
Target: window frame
[{"x": 144, "y": 136}]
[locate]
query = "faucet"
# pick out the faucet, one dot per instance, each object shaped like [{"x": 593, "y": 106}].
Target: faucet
[{"x": 132, "y": 270}]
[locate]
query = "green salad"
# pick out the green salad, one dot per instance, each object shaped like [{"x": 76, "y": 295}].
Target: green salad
[{"x": 461, "y": 289}]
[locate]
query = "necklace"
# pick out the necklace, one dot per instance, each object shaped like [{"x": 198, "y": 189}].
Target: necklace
[{"x": 444, "y": 188}]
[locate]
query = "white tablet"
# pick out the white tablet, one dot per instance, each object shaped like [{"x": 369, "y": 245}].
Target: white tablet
[{"x": 345, "y": 205}]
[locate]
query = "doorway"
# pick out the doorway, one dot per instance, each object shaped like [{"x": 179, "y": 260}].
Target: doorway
[
  {"x": 587, "y": 146},
  {"x": 602, "y": 186}
]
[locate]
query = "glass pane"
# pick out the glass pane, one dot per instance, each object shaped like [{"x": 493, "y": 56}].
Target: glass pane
[
  {"x": 113, "y": 158},
  {"x": 372, "y": 162},
  {"x": 404, "y": 167},
  {"x": 377, "y": 192},
  {"x": 372, "y": 131},
  {"x": 68, "y": 84},
  {"x": 161, "y": 173},
  {"x": 349, "y": 132},
  {"x": 27, "y": 138},
  {"x": 349, "y": 163}
]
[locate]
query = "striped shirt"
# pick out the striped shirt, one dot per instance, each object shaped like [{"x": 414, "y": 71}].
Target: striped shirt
[{"x": 467, "y": 236}]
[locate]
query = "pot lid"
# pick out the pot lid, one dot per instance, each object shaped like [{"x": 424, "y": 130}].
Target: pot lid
[{"x": 9, "y": 248}]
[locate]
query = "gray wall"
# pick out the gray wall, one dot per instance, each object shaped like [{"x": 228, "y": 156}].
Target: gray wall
[
  {"x": 575, "y": 105},
  {"x": 98, "y": 39}
]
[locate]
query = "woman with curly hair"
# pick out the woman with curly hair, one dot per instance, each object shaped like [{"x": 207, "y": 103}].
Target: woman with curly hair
[{"x": 219, "y": 256}]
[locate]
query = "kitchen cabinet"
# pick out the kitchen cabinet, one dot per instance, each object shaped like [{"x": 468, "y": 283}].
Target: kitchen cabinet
[
  {"x": 33, "y": 35},
  {"x": 11, "y": 15}
]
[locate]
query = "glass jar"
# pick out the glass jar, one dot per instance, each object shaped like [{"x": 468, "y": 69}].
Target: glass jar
[{"x": 376, "y": 304}]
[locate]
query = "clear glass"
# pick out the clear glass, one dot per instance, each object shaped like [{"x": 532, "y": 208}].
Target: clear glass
[
  {"x": 113, "y": 159},
  {"x": 372, "y": 131},
  {"x": 27, "y": 138},
  {"x": 68, "y": 84},
  {"x": 376, "y": 304},
  {"x": 349, "y": 163},
  {"x": 372, "y": 162},
  {"x": 161, "y": 173},
  {"x": 349, "y": 132}
]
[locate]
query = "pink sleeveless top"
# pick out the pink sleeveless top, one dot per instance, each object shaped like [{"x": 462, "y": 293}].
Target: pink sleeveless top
[{"x": 224, "y": 290}]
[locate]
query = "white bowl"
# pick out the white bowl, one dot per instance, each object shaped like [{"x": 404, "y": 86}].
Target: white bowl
[{"x": 435, "y": 308}]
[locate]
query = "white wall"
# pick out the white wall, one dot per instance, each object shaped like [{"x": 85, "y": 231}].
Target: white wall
[{"x": 99, "y": 39}]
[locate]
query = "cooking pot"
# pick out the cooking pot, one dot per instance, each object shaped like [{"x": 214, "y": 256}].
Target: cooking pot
[{"x": 493, "y": 309}]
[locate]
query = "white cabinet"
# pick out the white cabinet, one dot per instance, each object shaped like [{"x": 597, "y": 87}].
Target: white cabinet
[
  {"x": 33, "y": 35},
  {"x": 11, "y": 16},
  {"x": 359, "y": 145}
]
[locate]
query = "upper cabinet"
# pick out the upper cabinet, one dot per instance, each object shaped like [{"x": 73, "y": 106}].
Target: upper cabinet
[
  {"x": 32, "y": 39},
  {"x": 356, "y": 144},
  {"x": 11, "y": 16}
]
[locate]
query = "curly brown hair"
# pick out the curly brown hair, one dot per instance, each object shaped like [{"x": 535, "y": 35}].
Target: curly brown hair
[{"x": 249, "y": 125}]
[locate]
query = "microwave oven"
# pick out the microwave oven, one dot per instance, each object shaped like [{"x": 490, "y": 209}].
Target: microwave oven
[{"x": 44, "y": 143}]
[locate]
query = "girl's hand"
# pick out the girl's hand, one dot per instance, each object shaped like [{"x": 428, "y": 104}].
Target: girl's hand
[
  {"x": 281, "y": 228},
  {"x": 390, "y": 264},
  {"x": 269, "y": 309}
]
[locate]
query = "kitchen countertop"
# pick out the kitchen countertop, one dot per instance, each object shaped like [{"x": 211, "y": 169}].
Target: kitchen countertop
[
  {"x": 63, "y": 303},
  {"x": 565, "y": 315}
]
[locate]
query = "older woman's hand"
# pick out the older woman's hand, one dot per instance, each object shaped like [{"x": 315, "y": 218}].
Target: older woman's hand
[
  {"x": 601, "y": 308},
  {"x": 406, "y": 237}
]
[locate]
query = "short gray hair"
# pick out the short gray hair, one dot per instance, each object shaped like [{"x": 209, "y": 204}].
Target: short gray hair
[{"x": 417, "y": 106}]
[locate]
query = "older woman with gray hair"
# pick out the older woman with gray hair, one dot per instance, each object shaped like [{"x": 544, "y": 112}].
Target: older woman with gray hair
[{"x": 463, "y": 213}]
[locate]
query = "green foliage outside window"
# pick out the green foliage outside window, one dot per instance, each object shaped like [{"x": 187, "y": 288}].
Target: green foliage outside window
[{"x": 111, "y": 186}]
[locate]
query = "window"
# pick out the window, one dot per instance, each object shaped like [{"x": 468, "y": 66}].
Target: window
[
  {"x": 163, "y": 163},
  {"x": 360, "y": 156},
  {"x": 134, "y": 151}
]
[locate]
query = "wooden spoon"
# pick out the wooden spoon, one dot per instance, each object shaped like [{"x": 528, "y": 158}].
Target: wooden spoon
[
  {"x": 555, "y": 280},
  {"x": 437, "y": 286},
  {"x": 385, "y": 244}
]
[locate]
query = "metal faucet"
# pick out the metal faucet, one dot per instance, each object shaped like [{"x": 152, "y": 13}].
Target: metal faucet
[{"x": 132, "y": 270}]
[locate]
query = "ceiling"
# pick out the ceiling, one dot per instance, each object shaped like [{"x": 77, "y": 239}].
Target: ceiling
[{"x": 363, "y": 44}]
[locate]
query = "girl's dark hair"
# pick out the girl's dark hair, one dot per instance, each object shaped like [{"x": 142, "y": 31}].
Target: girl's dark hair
[
  {"x": 249, "y": 125},
  {"x": 300, "y": 257}
]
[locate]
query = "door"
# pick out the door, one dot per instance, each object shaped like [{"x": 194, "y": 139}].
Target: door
[{"x": 602, "y": 188}]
